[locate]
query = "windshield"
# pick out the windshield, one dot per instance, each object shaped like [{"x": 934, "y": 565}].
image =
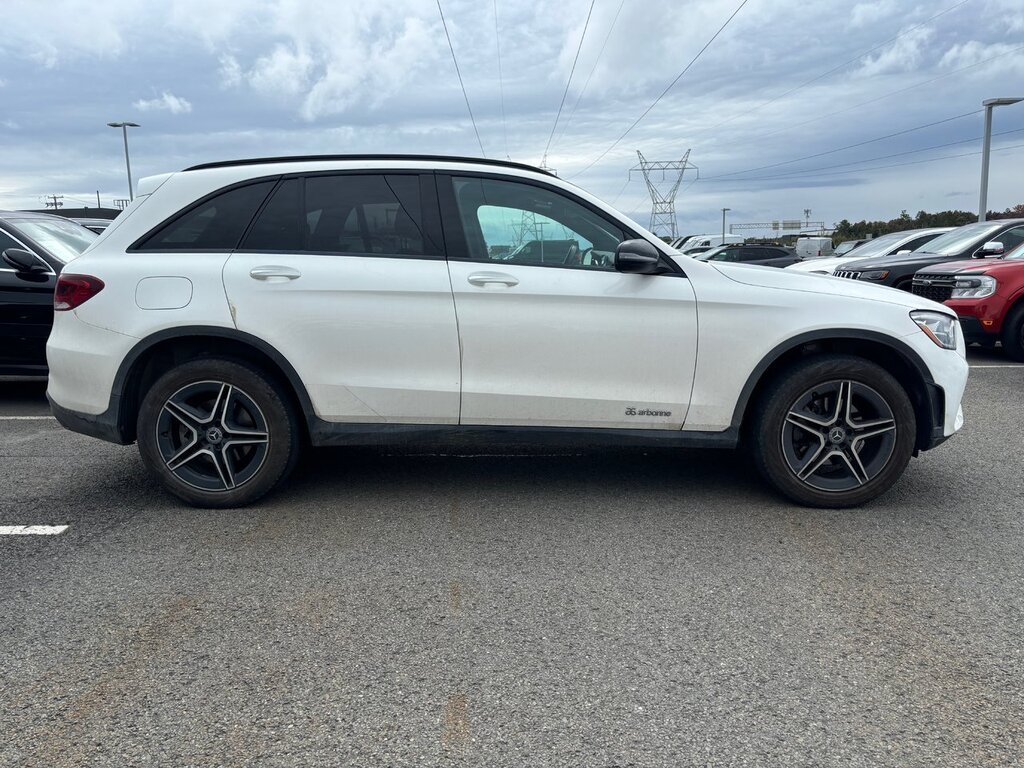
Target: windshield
[
  {"x": 954, "y": 242},
  {"x": 846, "y": 247},
  {"x": 64, "y": 240}
]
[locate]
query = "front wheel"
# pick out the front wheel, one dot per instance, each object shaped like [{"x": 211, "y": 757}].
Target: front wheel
[
  {"x": 834, "y": 431},
  {"x": 217, "y": 433},
  {"x": 1013, "y": 333}
]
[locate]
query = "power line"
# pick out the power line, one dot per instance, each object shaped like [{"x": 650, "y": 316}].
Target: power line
[
  {"x": 501, "y": 86},
  {"x": 806, "y": 171},
  {"x": 914, "y": 87},
  {"x": 891, "y": 165},
  {"x": 850, "y": 146},
  {"x": 463, "y": 85},
  {"x": 835, "y": 69},
  {"x": 568, "y": 82},
  {"x": 669, "y": 88},
  {"x": 622, "y": 189},
  {"x": 593, "y": 69}
]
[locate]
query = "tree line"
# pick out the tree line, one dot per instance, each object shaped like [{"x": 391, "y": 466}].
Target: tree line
[{"x": 845, "y": 230}]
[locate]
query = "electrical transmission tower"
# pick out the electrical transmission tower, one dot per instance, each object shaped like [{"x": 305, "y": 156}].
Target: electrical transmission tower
[
  {"x": 663, "y": 197},
  {"x": 526, "y": 229}
]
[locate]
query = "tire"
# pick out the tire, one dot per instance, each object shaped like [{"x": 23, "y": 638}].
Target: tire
[
  {"x": 217, "y": 433},
  {"x": 817, "y": 452},
  {"x": 1013, "y": 333}
]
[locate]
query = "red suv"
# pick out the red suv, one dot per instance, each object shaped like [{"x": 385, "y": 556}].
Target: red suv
[{"x": 987, "y": 294}]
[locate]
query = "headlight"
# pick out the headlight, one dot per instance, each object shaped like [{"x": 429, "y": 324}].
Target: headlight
[
  {"x": 877, "y": 274},
  {"x": 938, "y": 326},
  {"x": 973, "y": 287}
]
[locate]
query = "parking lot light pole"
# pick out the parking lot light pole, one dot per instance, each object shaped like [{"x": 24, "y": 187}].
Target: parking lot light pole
[
  {"x": 124, "y": 126},
  {"x": 723, "y": 223},
  {"x": 989, "y": 105}
]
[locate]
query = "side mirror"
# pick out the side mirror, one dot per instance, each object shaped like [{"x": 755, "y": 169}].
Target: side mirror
[
  {"x": 638, "y": 257},
  {"x": 991, "y": 248},
  {"x": 23, "y": 261}
]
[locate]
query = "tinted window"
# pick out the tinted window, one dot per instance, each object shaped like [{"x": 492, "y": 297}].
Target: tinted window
[
  {"x": 728, "y": 254},
  {"x": 6, "y": 241},
  {"x": 278, "y": 226},
  {"x": 917, "y": 242},
  {"x": 755, "y": 254},
  {"x": 521, "y": 223},
  {"x": 1011, "y": 238},
  {"x": 215, "y": 224},
  {"x": 364, "y": 214}
]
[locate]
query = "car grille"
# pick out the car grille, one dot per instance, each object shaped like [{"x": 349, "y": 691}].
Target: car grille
[
  {"x": 847, "y": 275},
  {"x": 934, "y": 287}
]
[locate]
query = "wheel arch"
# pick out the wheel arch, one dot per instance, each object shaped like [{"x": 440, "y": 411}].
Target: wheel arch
[
  {"x": 893, "y": 355},
  {"x": 157, "y": 353}
]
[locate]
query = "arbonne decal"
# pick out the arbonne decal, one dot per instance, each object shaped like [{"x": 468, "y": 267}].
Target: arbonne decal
[{"x": 633, "y": 411}]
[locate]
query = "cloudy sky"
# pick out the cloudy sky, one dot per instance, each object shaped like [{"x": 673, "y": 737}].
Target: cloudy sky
[{"x": 762, "y": 110}]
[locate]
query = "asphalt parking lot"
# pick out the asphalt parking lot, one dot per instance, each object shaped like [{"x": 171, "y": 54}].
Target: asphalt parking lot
[{"x": 599, "y": 608}]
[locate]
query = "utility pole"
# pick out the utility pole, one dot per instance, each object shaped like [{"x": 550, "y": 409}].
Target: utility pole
[
  {"x": 124, "y": 125},
  {"x": 724, "y": 210},
  {"x": 807, "y": 216},
  {"x": 98, "y": 199},
  {"x": 663, "y": 204},
  {"x": 56, "y": 201}
]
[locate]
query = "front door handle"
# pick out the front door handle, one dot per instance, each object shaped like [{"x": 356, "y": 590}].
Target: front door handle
[
  {"x": 492, "y": 278},
  {"x": 274, "y": 273}
]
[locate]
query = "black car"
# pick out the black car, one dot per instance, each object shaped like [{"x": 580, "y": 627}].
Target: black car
[
  {"x": 981, "y": 240},
  {"x": 765, "y": 255},
  {"x": 34, "y": 248}
]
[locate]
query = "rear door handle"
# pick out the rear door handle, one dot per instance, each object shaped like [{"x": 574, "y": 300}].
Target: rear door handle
[
  {"x": 274, "y": 272},
  {"x": 492, "y": 278}
]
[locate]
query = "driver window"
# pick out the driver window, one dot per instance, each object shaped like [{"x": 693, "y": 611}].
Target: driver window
[{"x": 523, "y": 224}]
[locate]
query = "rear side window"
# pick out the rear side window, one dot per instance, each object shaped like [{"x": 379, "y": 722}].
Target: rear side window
[
  {"x": 216, "y": 224},
  {"x": 345, "y": 213},
  {"x": 364, "y": 214}
]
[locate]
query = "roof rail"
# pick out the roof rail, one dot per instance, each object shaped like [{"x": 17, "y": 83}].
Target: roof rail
[{"x": 321, "y": 158}]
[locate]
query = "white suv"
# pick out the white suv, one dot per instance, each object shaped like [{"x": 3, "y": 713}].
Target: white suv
[{"x": 238, "y": 310}]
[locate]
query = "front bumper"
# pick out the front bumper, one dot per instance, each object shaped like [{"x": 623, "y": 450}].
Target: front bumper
[
  {"x": 944, "y": 394},
  {"x": 981, "y": 319}
]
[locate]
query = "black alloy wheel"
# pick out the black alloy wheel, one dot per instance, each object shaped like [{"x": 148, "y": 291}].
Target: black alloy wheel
[
  {"x": 212, "y": 436},
  {"x": 838, "y": 435},
  {"x": 218, "y": 433},
  {"x": 833, "y": 431}
]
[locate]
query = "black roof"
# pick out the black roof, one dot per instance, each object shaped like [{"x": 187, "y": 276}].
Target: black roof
[{"x": 371, "y": 158}]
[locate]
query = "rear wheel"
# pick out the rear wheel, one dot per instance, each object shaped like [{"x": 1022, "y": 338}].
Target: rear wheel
[
  {"x": 217, "y": 433},
  {"x": 835, "y": 431},
  {"x": 1013, "y": 333}
]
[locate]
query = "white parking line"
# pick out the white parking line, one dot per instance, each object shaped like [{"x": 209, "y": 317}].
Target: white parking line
[
  {"x": 25, "y": 418},
  {"x": 1002, "y": 365},
  {"x": 32, "y": 530}
]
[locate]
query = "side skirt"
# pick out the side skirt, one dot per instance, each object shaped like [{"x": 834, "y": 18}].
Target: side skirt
[{"x": 327, "y": 433}]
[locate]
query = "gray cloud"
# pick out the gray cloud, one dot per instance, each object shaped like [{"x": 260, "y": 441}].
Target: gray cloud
[{"x": 288, "y": 77}]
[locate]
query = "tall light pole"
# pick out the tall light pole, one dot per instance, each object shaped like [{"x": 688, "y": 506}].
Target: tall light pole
[
  {"x": 124, "y": 126},
  {"x": 989, "y": 105},
  {"x": 723, "y": 223}
]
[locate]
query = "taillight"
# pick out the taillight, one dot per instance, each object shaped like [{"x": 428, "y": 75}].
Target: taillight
[{"x": 74, "y": 290}]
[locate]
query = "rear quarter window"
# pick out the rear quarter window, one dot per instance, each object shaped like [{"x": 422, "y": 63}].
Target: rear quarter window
[{"x": 217, "y": 223}]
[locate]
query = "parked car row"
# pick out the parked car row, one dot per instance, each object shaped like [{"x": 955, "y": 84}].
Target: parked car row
[{"x": 977, "y": 270}]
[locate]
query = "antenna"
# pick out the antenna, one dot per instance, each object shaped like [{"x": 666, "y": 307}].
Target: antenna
[{"x": 663, "y": 203}]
